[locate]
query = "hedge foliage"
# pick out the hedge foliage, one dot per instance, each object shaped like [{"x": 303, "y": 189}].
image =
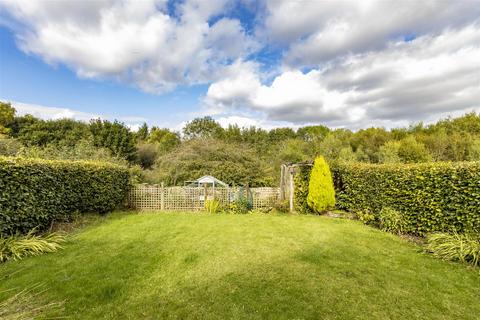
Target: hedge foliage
[
  {"x": 429, "y": 196},
  {"x": 321, "y": 194},
  {"x": 301, "y": 179},
  {"x": 35, "y": 192}
]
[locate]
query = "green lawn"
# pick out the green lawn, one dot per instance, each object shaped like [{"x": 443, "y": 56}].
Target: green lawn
[{"x": 199, "y": 266}]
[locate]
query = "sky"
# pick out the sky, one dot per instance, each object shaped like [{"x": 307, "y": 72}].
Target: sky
[{"x": 267, "y": 63}]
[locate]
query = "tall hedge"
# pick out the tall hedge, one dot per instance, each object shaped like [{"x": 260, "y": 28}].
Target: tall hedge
[
  {"x": 321, "y": 194},
  {"x": 301, "y": 180},
  {"x": 35, "y": 192},
  {"x": 429, "y": 196}
]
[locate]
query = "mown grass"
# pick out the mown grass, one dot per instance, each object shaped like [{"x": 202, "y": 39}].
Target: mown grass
[{"x": 200, "y": 266}]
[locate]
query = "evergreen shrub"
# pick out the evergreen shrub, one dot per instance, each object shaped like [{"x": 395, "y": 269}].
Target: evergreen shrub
[{"x": 321, "y": 194}]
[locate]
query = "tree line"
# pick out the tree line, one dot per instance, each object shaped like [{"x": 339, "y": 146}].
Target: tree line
[{"x": 237, "y": 155}]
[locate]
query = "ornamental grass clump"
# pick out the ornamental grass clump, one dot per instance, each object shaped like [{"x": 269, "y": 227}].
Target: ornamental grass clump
[
  {"x": 26, "y": 304},
  {"x": 321, "y": 194},
  {"x": 464, "y": 247},
  {"x": 18, "y": 247},
  {"x": 212, "y": 206}
]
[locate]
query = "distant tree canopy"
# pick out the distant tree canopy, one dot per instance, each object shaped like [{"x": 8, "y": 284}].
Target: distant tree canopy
[
  {"x": 142, "y": 133},
  {"x": 41, "y": 133},
  {"x": 165, "y": 139},
  {"x": 232, "y": 163},
  {"x": 236, "y": 154},
  {"x": 312, "y": 133},
  {"x": 7, "y": 115},
  {"x": 114, "y": 136},
  {"x": 202, "y": 128}
]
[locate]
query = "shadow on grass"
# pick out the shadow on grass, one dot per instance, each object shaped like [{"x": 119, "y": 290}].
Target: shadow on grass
[{"x": 316, "y": 283}]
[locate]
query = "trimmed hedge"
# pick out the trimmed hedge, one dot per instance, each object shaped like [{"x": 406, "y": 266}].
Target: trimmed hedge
[
  {"x": 34, "y": 192},
  {"x": 429, "y": 196},
  {"x": 321, "y": 194}
]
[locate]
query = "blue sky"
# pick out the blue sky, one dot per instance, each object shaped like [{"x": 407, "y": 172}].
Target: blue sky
[
  {"x": 26, "y": 78},
  {"x": 263, "y": 63}
]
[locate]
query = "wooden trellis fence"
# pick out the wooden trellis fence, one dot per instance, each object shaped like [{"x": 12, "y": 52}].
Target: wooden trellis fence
[{"x": 157, "y": 197}]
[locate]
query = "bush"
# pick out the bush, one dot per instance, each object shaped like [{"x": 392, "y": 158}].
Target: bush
[
  {"x": 34, "y": 193},
  {"x": 455, "y": 247},
  {"x": 321, "y": 195},
  {"x": 8, "y": 146},
  {"x": 235, "y": 164},
  {"x": 391, "y": 221},
  {"x": 366, "y": 217},
  {"x": 147, "y": 154},
  {"x": 283, "y": 206},
  {"x": 430, "y": 197},
  {"x": 82, "y": 150},
  {"x": 302, "y": 177},
  {"x": 16, "y": 248},
  {"x": 240, "y": 206}
]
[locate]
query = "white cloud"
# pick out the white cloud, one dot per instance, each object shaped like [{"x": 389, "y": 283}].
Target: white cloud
[
  {"x": 52, "y": 113},
  {"x": 55, "y": 113},
  {"x": 318, "y": 31},
  {"x": 247, "y": 121},
  {"x": 136, "y": 42},
  {"x": 229, "y": 40},
  {"x": 407, "y": 81},
  {"x": 343, "y": 63}
]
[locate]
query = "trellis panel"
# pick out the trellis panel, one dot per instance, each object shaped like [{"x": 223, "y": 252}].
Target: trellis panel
[{"x": 156, "y": 197}]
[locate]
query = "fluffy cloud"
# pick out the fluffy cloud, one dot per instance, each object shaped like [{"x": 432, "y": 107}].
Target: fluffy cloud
[
  {"x": 136, "y": 42},
  {"x": 52, "y": 113},
  {"x": 317, "y": 31},
  {"x": 55, "y": 113},
  {"x": 344, "y": 63},
  {"x": 407, "y": 81},
  {"x": 246, "y": 121}
]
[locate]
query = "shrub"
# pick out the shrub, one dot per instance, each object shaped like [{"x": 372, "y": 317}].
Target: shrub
[
  {"x": 8, "y": 146},
  {"x": 235, "y": 164},
  {"x": 282, "y": 206},
  {"x": 391, "y": 220},
  {"x": 366, "y": 217},
  {"x": 412, "y": 151},
  {"x": 34, "y": 193},
  {"x": 81, "y": 150},
  {"x": 302, "y": 177},
  {"x": 146, "y": 154},
  {"x": 430, "y": 197},
  {"x": 455, "y": 247},
  {"x": 321, "y": 195},
  {"x": 240, "y": 206},
  {"x": 212, "y": 206},
  {"x": 16, "y": 248}
]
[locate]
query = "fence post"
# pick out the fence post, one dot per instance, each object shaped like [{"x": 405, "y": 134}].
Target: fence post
[
  {"x": 282, "y": 183},
  {"x": 291, "y": 189},
  {"x": 162, "y": 198},
  {"x": 205, "y": 195}
]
